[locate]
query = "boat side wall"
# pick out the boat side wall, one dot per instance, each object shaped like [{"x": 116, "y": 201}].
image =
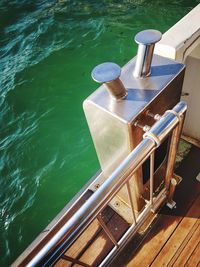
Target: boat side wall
[{"x": 182, "y": 43}]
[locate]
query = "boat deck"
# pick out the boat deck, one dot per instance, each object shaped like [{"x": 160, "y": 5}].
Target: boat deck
[
  {"x": 173, "y": 239},
  {"x": 93, "y": 245}
]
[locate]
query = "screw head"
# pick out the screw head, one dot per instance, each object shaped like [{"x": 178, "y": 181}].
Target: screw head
[
  {"x": 148, "y": 37},
  {"x": 106, "y": 72}
]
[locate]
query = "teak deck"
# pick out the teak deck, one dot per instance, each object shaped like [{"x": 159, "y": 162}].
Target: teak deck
[{"x": 172, "y": 239}]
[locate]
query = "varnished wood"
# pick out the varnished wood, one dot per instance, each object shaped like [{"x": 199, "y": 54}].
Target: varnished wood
[
  {"x": 101, "y": 245},
  {"x": 154, "y": 242},
  {"x": 174, "y": 233},
  {"x": 75, "y": 261},
  {"x": 94, "y": 244},
  {"x": 62, "y": 263},
  {"x": 76, "y": 249},
  {"x": 194, "y": 260},
  {"x": 187, "y": 248},
  {"x": 191, "y": 140},
  {"x": 170, "y": 249}
]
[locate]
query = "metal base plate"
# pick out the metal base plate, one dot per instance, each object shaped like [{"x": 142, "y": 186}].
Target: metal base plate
[
  {"x": 198, "y": 177},
  {"x": 171, "y": 205}
]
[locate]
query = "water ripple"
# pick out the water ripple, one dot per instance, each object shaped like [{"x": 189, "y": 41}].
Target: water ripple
[{"x": 47, "y": 50}]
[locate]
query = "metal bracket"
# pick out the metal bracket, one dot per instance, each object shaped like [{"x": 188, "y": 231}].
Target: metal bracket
[
  {"x": 156, "y": 117},
  {"x": 176, "y": 179},
  {"x": 171, "y": 204},
  {"x": 198, "y": 177},
  {"x": 153, "y": 137},
  {"x": 145, "y": 128}
]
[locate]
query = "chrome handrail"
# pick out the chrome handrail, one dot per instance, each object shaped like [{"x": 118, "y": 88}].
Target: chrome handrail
[{"x": 100, "y": 198}]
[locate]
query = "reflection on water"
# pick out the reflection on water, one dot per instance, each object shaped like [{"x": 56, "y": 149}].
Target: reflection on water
[{"x": 47, "y": 50}]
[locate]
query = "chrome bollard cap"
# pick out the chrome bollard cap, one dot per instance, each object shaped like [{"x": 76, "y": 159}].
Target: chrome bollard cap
[
  {"x": 106, "y": 72},
  {"x": 148, "y": 37}
]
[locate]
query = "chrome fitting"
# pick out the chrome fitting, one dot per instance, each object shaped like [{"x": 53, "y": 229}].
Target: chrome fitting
[
  {"x": 145, "y": 128},
  {"x": 174, "y": 113},
  {"x": 146, "y": 40},
  {"x": 108, "y": 73},
  {"x": 153, "y": 137},
  {"x": 156, "y": 117},
  {"x": 171, "y": 205}
]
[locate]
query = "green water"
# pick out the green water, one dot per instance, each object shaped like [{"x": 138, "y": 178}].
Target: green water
[{"x": 47, "y": 51}]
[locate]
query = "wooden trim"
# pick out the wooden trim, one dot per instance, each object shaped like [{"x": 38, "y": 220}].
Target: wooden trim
[
  {"x": 74, "y": 261},
  {"x": 191, "y": 140}
]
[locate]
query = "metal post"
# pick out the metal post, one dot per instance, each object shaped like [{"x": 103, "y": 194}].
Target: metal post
[
  {"x": 152, "y": 159},
  {"x": 171, "y": 203},
  {"x": 173, "y": 150},
  {"x": 146, "y": 40},
  {"x": 109, "y": 73}
]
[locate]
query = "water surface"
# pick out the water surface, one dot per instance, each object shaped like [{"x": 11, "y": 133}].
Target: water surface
[{"x": 47, "y": 51}]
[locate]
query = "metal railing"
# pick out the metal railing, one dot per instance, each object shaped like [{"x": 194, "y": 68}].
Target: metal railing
[{"x": 170, "y": 123}]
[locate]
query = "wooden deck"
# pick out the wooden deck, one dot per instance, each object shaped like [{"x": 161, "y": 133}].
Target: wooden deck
[
  {"x": 174, "y": 237},
  {"x": 93, "y": 245},
  {"x": 176, "y": 243}
]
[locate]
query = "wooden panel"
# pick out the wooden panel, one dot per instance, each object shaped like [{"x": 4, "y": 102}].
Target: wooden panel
[
  {"x": 187, "y": 248},
  {"x": 92, "y": 246},
  {"x": 82, "y": 241},
  {"x": 194, "y": 260},
  {"x": 154, "y": 241},
  {"x": 62, "y": 263},
  {"x": 151, "y": 252},
  {"x": 100, "y": 247},
  {"x": 91, "y": 233},
  {"x": 178, "y": 236}
]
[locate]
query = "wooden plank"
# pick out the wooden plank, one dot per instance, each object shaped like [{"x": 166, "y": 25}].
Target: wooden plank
[
  {"x": 177, "y": 238},
  {"x": 194, "y": 260},
  {"x": 75, "y": 261},
  {"x": 99, "y": 246},
  {"x": 62, "y": 263},
  {"x": 66, "y": 263},
  {"x": 78, "y": 248},
  {"x": 102, "y": 245},
  {"x": 188, "y": 247},
  {"x": 191, "y": 140},
  {"x": 94, "y": 244},
  {"x": 82, "y": 241},
  {"x": 159, "y": 236},
  {"x": 154, "y": 241}
]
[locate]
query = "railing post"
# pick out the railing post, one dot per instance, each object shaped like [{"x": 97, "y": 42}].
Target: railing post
[
  {"x": 173, "y": 150},
  {"x": 152, "y": 159}
]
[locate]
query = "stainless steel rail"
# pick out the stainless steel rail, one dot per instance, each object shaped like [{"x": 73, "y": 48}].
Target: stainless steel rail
[{"x": 98, "y": 201}]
